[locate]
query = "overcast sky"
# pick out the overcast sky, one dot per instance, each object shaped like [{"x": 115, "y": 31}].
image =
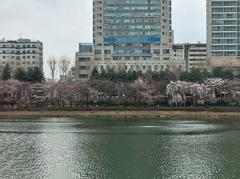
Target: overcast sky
[{"x": 62, "y": 24}]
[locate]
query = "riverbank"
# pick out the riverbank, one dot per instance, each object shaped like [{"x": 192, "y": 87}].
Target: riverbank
[{"x": 192, "y": 114}]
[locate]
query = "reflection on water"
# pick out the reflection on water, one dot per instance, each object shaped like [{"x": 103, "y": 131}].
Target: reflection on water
[{"x": 118, "y": 148}]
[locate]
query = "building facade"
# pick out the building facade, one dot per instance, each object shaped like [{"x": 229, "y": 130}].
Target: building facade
[
  {"x": 131, "y": 27},
  {"x": 223, "y": 32},
  {"x": 21, "y": 53},
  {"x": 192, "y": 55},
  {"x": 131, "y": 34},
  {"x": 196, "y": 56},
  {"x": 83, "y": 61}
]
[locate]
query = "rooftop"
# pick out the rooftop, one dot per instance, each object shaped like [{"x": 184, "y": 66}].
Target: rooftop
[{"x": 20, "y": 40}]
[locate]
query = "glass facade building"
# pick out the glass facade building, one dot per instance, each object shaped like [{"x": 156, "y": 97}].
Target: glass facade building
[
  {"x": 131, "y": 26},
  {"x": 223, "y": 28},
  {"x": 129, "y": 29}
]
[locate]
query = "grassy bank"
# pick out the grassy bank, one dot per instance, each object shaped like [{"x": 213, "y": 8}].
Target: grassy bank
[{"x": 193, "y": 114}]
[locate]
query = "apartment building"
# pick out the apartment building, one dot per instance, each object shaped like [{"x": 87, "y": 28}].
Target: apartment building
[
  {"x": 191, "y": 55},
  {"x": 83, "y": 61},
  {"x": 21, "y": 53},
  {"x": 223, "y": 32}
]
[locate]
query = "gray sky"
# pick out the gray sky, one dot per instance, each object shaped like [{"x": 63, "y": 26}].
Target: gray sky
[{"x": 62, "y": 24}]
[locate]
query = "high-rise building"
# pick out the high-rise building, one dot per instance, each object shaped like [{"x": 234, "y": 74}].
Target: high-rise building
[
  {"x": 21, "y": 53},
  {"x": 132, "y": 34},
  {"x": 223, "y": 32}
]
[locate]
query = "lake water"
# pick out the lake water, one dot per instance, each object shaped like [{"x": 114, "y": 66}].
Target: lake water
[{"x": 131, "y": 148}]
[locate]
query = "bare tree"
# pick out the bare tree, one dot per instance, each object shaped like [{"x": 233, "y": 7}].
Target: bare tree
[
  {"x": 52, "y": 64},
  {"x": 64, "y": 65}
]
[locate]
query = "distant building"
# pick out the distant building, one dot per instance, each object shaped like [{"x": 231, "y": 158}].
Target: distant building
[
  {"x": 83, "y": 61},
  {"x": 130, "y": 35},
  {"x": 21, "y": 53},
  {"x": 127, "y": 29},
  {"x": 136, "y": 35},
  {"x": 194, "y": 55},
  {"x": 223, "y": 32}
]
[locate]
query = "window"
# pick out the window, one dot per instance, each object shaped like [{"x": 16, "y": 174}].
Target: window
[{"x": 98, "y": 52}]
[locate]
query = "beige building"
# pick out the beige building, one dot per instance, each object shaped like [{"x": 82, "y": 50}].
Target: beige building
[
  {"x": 132, "y": 34},
  {"x": 194, "y": 55},
  {"x": 223, "y": 32},
  {"x": 84, "y": 59},
  {"x": 21, "y": 53}
]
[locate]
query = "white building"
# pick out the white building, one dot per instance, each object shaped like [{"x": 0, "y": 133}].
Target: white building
[
  {"x": 194, "y": 55},
  {"x": 223, "y": 32},
  {"x": 83, "y": 61},
  {"x": 21, "y": 53}
]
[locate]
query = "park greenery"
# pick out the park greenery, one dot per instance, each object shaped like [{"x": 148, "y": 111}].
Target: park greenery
[
  {"x": 195, "y": 75},
  {"x": 29, "y": 75},
  {"x": 27, "y": 89},
  {"x": 33, "y": 75},
  {"x": 6, "y": 74}
]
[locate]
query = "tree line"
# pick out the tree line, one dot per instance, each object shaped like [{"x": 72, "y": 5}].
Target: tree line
[
  {"x": 103, "y": 94},
  {"x": 56, "y": 66},
  {"x": 34, "y": 74},
  {"x": 195, "y": 75}
]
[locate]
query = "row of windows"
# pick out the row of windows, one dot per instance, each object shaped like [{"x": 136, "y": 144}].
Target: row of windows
[
  {"x": 139, "y": 52},
  {"x": 132, "y": 8},
  {"x": 225, "y": 16},
  {"x": 139, "y": 45},
  {"x": 139, "y": 67},
  {"x": 18, "y": 46},
  {"x": 84, "y": 59},
  {"x": 225, "y": 9},
  {"x": 18, "y": 58},
  {"x": 83, "y": 67},
  {"x": 131, "y": 14},
  {"x": 197, "y": 55},
  {"x": 18, "y": 52},
  {"x": 132, "y": 33},
  {"x": 227, "y": 54},
  {"x": 18, "y": 63},
  {"x": 225, "y": 22},
  {"x": 224, "y": 41},
  {"x": 224, "y": 47},
  {"x": 225, "y": 28},
  {"x": 124, "y": 51},
  {"x": 224, "y": 3},
  {"x": 226, "y": 34},
  {"x": 142, "y": 39},
  {"x": 133, "y": 26},
  {"x": 135, "y": 2}
]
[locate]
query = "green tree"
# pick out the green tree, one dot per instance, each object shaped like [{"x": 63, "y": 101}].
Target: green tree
[
  {"x": 38, "y": 75},
  {"x": 95, "y": 73},
  {"x": 184, "y": 76},
  {"x": 6, "y": 74},
  {"x": 31, "y": 75},
  {"x": 195, "y": 75},
  {"x": 220, "y": 72},
  {"x": 20, "y": 74},
  {"x": 228, "y": 74}
]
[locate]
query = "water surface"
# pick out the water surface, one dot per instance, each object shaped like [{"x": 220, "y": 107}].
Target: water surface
[{"x": 131, "y": 148}]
